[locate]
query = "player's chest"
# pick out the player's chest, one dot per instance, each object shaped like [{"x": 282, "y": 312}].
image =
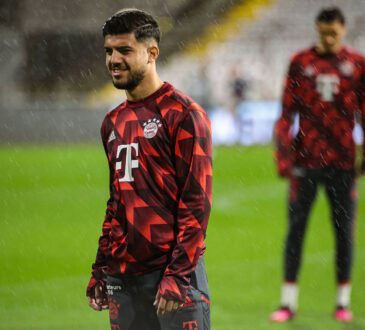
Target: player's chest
[
  {"x": 138, "y": 134},
  {"x": 330, "y": 78}
]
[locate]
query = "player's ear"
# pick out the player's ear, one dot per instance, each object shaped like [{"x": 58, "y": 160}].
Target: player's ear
[
  {"x": 153, "y": 53},
  {"x": 344, "y": 31}
]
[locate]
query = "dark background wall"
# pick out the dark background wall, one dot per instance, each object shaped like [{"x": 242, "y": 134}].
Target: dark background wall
[{"x": 51, "y": 56}]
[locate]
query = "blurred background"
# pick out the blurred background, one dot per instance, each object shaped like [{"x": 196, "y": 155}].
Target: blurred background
[{"x": 231, "y": 56}]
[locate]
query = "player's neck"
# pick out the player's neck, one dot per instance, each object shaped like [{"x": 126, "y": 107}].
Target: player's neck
[
  {"x": 321, "y": 49},
  {"x": 150, "y": 84}
]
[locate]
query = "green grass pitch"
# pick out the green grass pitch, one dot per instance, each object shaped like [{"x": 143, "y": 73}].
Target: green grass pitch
[{"x": 52, "y": 204}]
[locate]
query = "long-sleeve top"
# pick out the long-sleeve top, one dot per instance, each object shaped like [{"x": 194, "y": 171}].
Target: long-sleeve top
[
  {"x": 160, "y": 161},
  {"x": 325, "y": 91}
]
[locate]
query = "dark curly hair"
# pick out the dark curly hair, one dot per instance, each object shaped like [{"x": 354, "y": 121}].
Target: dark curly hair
[
  {"x": 330, "y": 15},
  {"x": 134, "y": 20}
]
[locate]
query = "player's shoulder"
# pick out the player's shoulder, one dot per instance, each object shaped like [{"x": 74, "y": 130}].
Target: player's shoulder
[
  {"x": 110, "y": 118},
  {"x": 302, "y": 54},
  {"x": 352, "y": 53},
  {"x": 177, "y": 101},
  {"x": 178, "y": 109},
  {"x": 113, "y": 112}
]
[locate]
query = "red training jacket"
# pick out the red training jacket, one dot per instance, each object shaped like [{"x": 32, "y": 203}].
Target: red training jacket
[
  {"x": 160, "y": 160},
  {"x": 325, "y": 91}
]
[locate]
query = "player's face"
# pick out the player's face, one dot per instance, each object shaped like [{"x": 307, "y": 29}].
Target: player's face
[
  {"x": 330, "y": 36},
  {"x": 126, "y": 60}
]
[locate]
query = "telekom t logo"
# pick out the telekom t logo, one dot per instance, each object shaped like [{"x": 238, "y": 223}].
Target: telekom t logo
[
  {"x": 190, "y": 325},
  {"x": 129, "y": 162},
  {"x": 327, "y": 86}
]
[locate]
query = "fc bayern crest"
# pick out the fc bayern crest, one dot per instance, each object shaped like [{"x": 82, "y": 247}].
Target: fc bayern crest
[
  {"x": 347, "y": 68},
  {"x": 150, "y": 128},
  {"x": 309, "y": 71}
]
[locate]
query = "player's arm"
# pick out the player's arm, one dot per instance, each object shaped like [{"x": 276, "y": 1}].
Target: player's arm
[
  {"x": 96, "y": 289},
  {"x": 282, "y": 130},
  {"x": 193, "y": 163},
  {"x": 362, "y": 115}
]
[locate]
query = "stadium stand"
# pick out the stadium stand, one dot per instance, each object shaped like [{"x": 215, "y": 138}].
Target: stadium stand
[
  {"x": 261, "y": 47},
  {"x": 51, "y": 57}
]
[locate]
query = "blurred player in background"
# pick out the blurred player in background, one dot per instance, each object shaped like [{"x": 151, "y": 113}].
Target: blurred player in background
[
  {"x": 325, "y": 86},
  {"x": 149, "y": 269}
]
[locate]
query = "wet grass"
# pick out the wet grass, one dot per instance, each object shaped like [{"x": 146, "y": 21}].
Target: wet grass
[{"x": 52, "y": 203}]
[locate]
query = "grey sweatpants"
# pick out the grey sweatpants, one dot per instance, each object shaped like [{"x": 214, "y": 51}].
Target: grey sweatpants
[{"x": 131, "y": 303}]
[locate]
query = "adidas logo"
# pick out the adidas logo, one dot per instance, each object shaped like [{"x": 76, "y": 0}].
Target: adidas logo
[
  {"x": 111, "y": 136},
  {"x": 188, "y": 302}
]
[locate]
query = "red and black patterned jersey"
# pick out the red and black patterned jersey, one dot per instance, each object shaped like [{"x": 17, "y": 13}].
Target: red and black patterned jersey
[
  {"x": 325, "y": 91},
  {"x": 160, "y": 160}
]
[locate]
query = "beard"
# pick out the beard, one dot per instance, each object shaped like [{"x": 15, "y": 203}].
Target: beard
[{"x": 133, "y": 80}]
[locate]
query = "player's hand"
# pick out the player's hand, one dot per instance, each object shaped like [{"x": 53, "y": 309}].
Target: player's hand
[
  {"x": 165, "y": 306},
  {"x": 284, "y": 167},
  {"x": 285, "y": 172},
  {"x": 100, "y": 301}
]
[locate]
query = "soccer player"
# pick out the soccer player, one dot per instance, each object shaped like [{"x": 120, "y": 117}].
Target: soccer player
[
  {"x": 325, "y": 87},
  {"x": 149, "y": 269}
]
